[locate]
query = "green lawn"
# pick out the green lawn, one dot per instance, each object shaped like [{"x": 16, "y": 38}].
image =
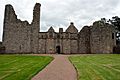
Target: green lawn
[
  {"x": 97, "y": 67},
  {"x": 21, "y": 67}
]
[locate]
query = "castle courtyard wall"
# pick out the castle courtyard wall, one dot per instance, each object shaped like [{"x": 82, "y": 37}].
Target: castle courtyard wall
[
  {"x": 74, "y": 46},
  {"x": 102, "y": 38},
  {"x": 84, "y": 40},
  {"x": 22, "y": 37},
  {"x": 16, "y": 34},
  {"x": 50, "y": 46}
]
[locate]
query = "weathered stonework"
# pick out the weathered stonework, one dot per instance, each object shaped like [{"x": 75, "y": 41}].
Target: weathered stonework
[
  {"x": 1, "y": 48},
  {"x": 102, "y": 39},
  {"x": 84, "y": 40},
  {"x": 22, "y": 37}
]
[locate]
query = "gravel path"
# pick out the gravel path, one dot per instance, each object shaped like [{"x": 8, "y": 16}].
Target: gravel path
[{"x": 59, "y": 69}]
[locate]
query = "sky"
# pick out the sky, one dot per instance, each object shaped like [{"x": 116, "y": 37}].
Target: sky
[{"x": 59, "y": 13}]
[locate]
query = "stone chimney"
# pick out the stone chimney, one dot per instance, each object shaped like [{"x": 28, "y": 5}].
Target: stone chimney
[
  {"x": 60, "y": 30},
  {"x": 71, "y": 23},
  {"x": 72, "y": 28}
]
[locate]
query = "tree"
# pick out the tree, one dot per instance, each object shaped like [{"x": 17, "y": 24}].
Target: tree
[
  {"x": 104, "y": 20},
  {"x": 116, "y": 22}
]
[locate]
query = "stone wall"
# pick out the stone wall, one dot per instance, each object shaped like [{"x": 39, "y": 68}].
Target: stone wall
[
  {"x": 22, "y": 37},
  {"x": 17, "y": 34},
  {"x": 50, "y": 46},
  {"x": 74, "y": 46},
  {"x": 48, "y": 42},
  {"x": 42, "y": 43},
  {"x": 102, "y": 38},
  {"x": 66, "y": 46},
  {"x": 74, "y": 43},
  {"x": 2, "y": 48},
  {"x": 84, "y": 40},
  {"x": 91, "y": 39},
  {"x": 35, "y": 28}
]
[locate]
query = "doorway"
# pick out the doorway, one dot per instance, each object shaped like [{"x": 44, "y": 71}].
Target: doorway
[{"x": 58, "y": 49}]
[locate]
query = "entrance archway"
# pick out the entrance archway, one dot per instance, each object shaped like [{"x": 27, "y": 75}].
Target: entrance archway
[{"x": 58, "y": 49}]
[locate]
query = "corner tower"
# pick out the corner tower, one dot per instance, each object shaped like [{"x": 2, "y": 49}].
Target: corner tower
[{"x": 102, "y": 39}]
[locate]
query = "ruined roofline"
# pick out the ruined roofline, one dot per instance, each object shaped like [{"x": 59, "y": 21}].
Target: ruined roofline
[
  {"x": 103, "y": 24},
  {"x": 84, "y": 29},
  {"x": 8, "y": 5},
  {"x": 11, "y": 8},
  {"x": 99, "y": 21},
  {"x": 38, "y": 4},
  {"x": 71, "y": 28},
  {"x": 58, "y": 32}
]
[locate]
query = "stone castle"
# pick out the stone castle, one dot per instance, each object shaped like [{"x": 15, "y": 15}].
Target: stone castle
[{"x": 22, "y": 37}]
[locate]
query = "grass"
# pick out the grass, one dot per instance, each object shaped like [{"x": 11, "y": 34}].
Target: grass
[
  {"x": 97, "y": 67},
  {"x": 21, "y": 67}
]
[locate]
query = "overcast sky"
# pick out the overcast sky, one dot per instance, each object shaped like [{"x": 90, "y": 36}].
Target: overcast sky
[{"x": 59, "y": 13}]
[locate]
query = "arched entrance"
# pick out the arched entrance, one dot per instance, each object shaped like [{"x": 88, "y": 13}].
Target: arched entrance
[{"x": 58, "y": 49}]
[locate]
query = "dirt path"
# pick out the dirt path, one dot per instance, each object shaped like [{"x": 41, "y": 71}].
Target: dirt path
[{"x": 59, "y": 69}]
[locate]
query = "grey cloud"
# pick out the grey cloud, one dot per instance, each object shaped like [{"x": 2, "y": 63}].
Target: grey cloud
[
  {"x": 82, "y": 12},
  {"x": 58, "y": 13}
]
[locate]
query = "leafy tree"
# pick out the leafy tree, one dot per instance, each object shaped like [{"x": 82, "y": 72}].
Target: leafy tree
[
  {"x": 104, "y": 20},
  {"x": 116, "y": 22}
]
